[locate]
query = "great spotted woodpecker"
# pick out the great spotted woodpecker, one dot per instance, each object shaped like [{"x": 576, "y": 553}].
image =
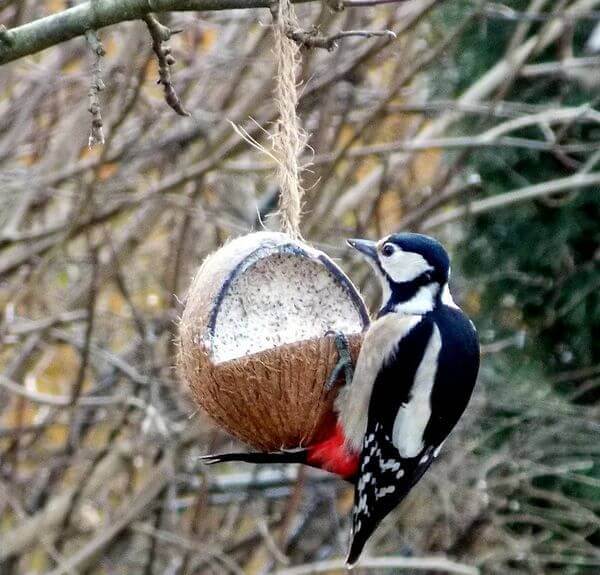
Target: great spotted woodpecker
[{"x": 413, "y": 379}]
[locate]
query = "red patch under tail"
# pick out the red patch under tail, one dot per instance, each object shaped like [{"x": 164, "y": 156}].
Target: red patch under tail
[{"x": 331, "y": 455}]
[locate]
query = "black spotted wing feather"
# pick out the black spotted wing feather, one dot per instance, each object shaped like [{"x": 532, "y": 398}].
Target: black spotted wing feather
[
  {"x": 385, "y": 477},
  {"x": 384, "y": 480}
]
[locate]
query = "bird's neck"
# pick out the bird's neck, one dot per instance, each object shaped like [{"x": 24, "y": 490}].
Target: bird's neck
[{"x": 414, "y": 299}]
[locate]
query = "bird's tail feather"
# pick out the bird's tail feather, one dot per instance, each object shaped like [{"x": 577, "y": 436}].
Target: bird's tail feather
[
  {"x": 356, "y": 547},
  {"x": 296, "y": 456}
]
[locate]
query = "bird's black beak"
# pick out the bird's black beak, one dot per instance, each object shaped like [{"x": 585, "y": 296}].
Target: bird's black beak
[{"x": 365, "y": 247}]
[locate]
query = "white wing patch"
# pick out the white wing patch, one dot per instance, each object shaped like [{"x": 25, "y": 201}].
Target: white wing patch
[
  {"x": 413, "y": 416},
  {"x": 437, "y": 450}
]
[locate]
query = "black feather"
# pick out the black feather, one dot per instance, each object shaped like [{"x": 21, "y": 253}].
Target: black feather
[{"x": 296, "y": 456}]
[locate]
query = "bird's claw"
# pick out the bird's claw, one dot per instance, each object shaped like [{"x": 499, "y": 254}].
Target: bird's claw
[{"x": 344, "y": 362}]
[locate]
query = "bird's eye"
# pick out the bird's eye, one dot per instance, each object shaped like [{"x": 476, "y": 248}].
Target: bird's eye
[{"x": 387, "y": 250}]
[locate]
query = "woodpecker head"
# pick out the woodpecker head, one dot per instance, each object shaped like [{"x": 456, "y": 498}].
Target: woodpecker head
[{"x": 413, "y": 270}]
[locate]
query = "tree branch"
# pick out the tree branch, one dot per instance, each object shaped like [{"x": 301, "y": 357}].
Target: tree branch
[
  {"x": 312, "y": 39},
  {"x": 501, "y": 200},
  {"x": 56, "y": 28},
  {"x": 96, "y": 86},
  {"x": 439, "y": 563},
  {"x": 125, "y": 515},
  {"x": 40, "y": 34}
]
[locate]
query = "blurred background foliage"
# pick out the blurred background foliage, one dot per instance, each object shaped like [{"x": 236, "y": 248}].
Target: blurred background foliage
[
  {"x": 537, "y": 266},
  {"x": 472, "y": 101}
]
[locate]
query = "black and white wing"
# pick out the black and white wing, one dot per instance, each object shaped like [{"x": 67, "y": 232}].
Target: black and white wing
[{"x": 394, "y": 454}]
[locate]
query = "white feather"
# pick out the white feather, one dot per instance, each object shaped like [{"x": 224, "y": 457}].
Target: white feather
[
  {"x": 421, "y": 303},
  {"x": 404, "y": 266},
  {"x": 413, "y": 417},
  {"x": 447, "y": 297}
]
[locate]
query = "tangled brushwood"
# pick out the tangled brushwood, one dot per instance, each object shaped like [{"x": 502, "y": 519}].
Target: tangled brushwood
[{"x": 477, "y": 124}]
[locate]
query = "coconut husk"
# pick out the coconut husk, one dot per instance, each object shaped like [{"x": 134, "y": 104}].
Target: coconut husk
[{"x": 272, "y": 399}]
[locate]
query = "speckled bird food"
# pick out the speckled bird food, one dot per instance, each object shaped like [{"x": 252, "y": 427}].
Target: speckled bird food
[{"x": 253, "y": 345}]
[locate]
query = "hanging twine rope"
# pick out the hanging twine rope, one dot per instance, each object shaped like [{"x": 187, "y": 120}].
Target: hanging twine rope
[{"x": 289, "y": 139}]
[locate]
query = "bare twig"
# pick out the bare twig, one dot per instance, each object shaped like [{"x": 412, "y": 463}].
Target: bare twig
[
  {"x": 441, "y": 564},
  {"x": 160, "y": 36},
  {"x": 503, "y": 12},
  {"x": 96, "y": 86},
  {"x": 367, "y": 3},
  {"x": 6, "y": 36},
  {"x": 33, "y": 528},
  {"x": 562, "y": 67},
  {"x": 312, "y": 39},
  {"x": 65, "y": 401},
  {"x": 128, "y": 512}
]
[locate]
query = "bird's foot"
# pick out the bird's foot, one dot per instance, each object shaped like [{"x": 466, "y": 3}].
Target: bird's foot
[{"x": 344, "y": 362}]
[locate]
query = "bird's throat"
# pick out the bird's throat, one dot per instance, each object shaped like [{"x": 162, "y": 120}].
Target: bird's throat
[{"x": 411, "y": 299}]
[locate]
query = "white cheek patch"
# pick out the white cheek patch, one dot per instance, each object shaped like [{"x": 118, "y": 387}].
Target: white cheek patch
[{"x": 404, "y": 266}]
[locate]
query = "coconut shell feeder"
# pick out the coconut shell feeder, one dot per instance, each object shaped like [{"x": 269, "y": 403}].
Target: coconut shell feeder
[{"x": 254, "y": 345}]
